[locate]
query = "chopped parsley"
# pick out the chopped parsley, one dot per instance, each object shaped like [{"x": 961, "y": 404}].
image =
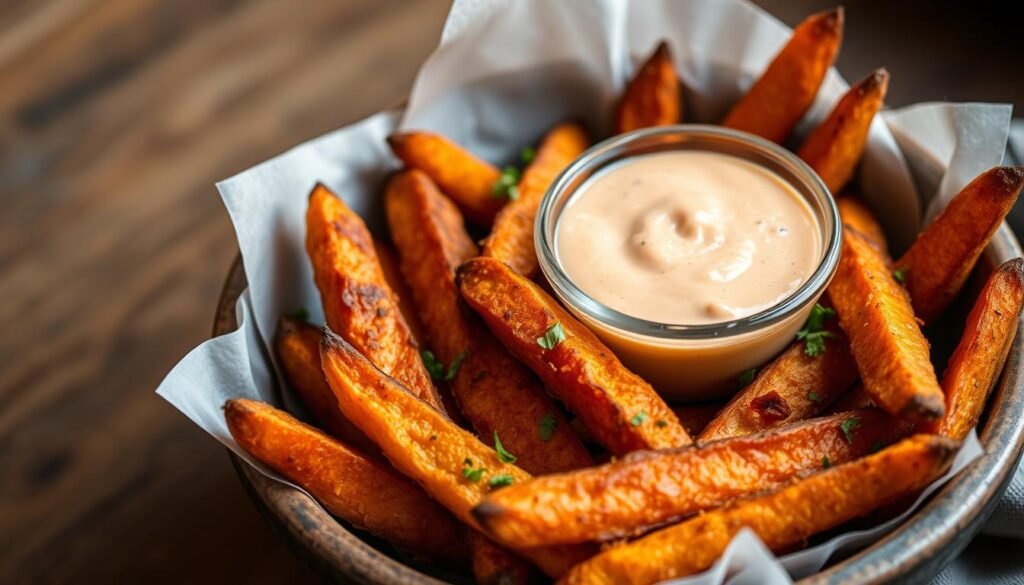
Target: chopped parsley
[
  {"x": 437, "y": 370},
  {"x": 300, "y": 314},
  {"x": 638, "y": 418},
  {"x": 552, "y": 337},
  {"x": 877, "y": 446},
  {"x": 814, "y": 333},
  {"x": 473, "y": 474},
  {"x": 747, "y": 377},
  {"x": 507, "y": 184},
  {"x": 503, "y": 455},
  {"x": 848, "y": 426},
  {"x": 825, "y": 462},
  {"x": 434, "y": 366},
  {"x": 527, "y": 154},
  {"x": 813, "y": 397},
  {"x": 547, "y": 426},
  {"x": 500, "y": 480},
  {"x": 900, "y": 275},
  {"x": 453, "y": 368}
]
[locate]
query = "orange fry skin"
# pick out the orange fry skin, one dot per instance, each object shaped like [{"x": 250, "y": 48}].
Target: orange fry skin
[
  {"x": 652, "y": 488},
  {"x": 834, "y": 148},
  {"x": 358, "y": 303},
  {"x": 364, "y": 492},
  {"x": 652, "y": 97},
  {"x": 493, "y": 565},
  {"x": 787, "y": 88},
  {"x": 495, "y": 393},
  {"x": 792, "y": 387},
  {"x": 393, "y": 276},
  {"x": 891, "y": 352},
  {"x": 297, "y": 345},
  {"x": 424, "y": 445},
  {"x": 623, "y": 412},
  {"x": 940, "y": 260},
  {"x": 781, "y": 519},
  {"x": 856, "y": 214},
  {"x": 975, "y": 365},
  {"x": 511, "y": 239},
  {"x": 462, "y": 176}
]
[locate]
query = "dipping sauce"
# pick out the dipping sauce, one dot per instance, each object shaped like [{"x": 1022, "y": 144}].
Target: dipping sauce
[{"x": 688, "y": 237}]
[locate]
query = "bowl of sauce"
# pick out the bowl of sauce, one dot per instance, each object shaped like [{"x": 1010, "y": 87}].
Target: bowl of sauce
[{"x": 695, "y": 252}]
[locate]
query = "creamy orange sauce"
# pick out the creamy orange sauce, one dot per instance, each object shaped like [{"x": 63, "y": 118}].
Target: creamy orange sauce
[{"x": 688, "y": 237}]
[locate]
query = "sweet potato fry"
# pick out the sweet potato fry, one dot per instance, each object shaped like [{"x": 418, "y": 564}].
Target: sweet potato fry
[
  {"x": 358, "y": 303},
  {"x": 651, "y": 488},
  {"x": 978, "y": 359},
  {"x": 465, "y": 178},
  {"x": 511, "y": 239},
  {"x": 886, "y": 341},
  {"x": 393, "y": 276},
  {"x": 652, "y": 96},
  {"x": 853, "y": 399},
  {"x": 297, "y": 344},
  {"x": 448, "y": 462},
  {"x": 781, "y": 519},
  {"x": 495, "y": 393},
  {"x": 364, "y": 492},
  {"x": 493, "y": 565},
  {"x": 834, "y": 148},
  {"x": 621, "y": 410},
  {"x": 940, "y": 260},
  {"x": 856, "y": 214},
  {"x": 792, "y": 387},
  {"x": 787, "y": 88},
  {"x": 695, "y": 417}
]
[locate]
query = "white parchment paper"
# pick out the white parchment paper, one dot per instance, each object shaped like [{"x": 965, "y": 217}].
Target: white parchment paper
[{"x": 503, "y": 74}]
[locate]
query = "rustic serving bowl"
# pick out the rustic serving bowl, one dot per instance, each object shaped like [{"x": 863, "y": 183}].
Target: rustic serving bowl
[{"x": 913, "y": 553}]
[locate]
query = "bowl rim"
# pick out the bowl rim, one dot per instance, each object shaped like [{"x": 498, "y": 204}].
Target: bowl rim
[{"x": 914, "y": 552}]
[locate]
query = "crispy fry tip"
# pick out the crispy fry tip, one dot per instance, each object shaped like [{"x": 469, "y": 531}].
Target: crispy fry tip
[
  {"x": 484, "y": 511},
  {"x": 877, "y": 81},
  {"x": 1011, "y": 178},
  {"x": 830, "y": 21},
  {"x": 926, "y": 407},
  {"x": 331, "y": 340}
]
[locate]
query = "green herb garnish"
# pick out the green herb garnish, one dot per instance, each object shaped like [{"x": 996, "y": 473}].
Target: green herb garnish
[
  {"x": 471, "y": 473},
  {"x": 825, "y": 463},
  {"x": 848, "y": 426},
  {"x": 747, "y": 377},
  {"x": 900, "y": 275},
  {"x": 661, "y": 423},
  {"x": 300, "y": 314},
  {"x": 813, "y": 397},
  {"x": 453, "y": 368},
  {"x": 547, "y": 426},
  {"x": 507, "y": 184},
  {"x": 500, "y": 480},
  {"x": 434, "y": 366},
  {"x": 638, "y": 418},
  {"x": 527, "y": 154},
  {"x": 552, "y": 337},
  {"x": 814, "y": 333},
  {"x": 503, "y": 455}
]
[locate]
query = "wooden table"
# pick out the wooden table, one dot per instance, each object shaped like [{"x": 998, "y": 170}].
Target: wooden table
[{"x": 116, "y": 118}]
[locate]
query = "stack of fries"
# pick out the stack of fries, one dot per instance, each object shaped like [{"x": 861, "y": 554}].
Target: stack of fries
[{"x": 467, "y": 455}]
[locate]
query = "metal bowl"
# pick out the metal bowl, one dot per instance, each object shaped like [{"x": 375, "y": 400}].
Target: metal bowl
[{"x": 913, "y": 553}]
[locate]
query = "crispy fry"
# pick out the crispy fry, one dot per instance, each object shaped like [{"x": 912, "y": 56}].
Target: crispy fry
[
  {"x": 891, "y": 352},
  {"x": 465, "y": 178},
  {"x": 940, "y": 260},
  {"x": 364, "y": 492},
  {"x": 297, "y": 344},
  {"x": 792, "y": 387},
  {"x": 978, "y": 359},
  {"x": 781, "y": 519},
  {"x": 358, "y": 303},
  {"x": 787, "y": 88},
  {"x": 393, "y": 276},
  {"x": 695, "y": 417},
  {"x": 834, "y": 148},
  {"x": 856, "y": 214},
  {"x": 494, "y": 392},
  {"x": 449, "y": 463},
  {"x": 511, "y": 240},
  {"x": 622, "y": 410},
  {"x": 652, "y": 96},
  {"x": 493, "y": 565},
  {"x": 652, "y": 488}
]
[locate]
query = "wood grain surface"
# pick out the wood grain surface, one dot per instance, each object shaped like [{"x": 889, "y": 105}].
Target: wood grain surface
[{"x": 116, "y": 119}]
